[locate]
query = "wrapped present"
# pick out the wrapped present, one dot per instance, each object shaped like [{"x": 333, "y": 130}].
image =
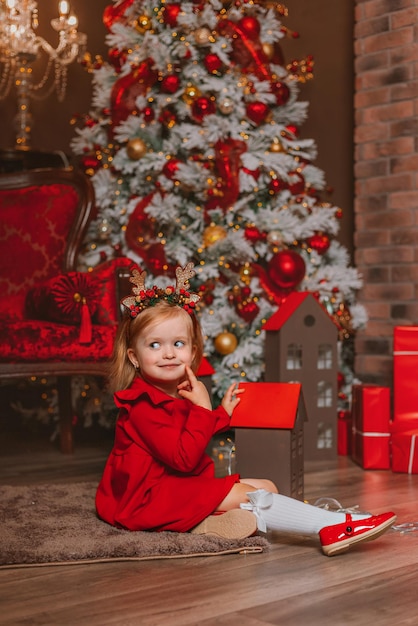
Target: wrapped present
[
  {"x": 344, "y": 429},
  {"x": 370, "y": 413},
  {"x": 405, "y": 365},
  {"x": 404, "y": 452}
]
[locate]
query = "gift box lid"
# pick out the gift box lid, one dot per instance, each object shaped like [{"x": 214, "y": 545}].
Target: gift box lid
[{"x": 268, "y": 405}]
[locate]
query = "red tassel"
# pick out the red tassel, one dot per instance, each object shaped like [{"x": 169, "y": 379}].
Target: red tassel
[{"x": 85, "y": 325}]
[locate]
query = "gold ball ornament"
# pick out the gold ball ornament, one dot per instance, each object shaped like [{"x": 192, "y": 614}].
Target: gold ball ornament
[
  {"x": 275, "y": 237},
  {"x": 276, "y": 146},
  {"x": 136, "y": 149},
  {"x": 142, "y": 24},
  {"x": 202, "y": 36},
  {"x": 190, "y": 94},
  {"x": 226, "y": 106},
  {"x": 225, "y": 343},
  {"x": 268, "y": 49},
  {"x": 246, "y": 273},
  {"x": 212, "y": 234}
]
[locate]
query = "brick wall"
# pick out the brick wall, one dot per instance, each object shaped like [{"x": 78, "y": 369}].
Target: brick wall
[{"x": 386, "y": 176}]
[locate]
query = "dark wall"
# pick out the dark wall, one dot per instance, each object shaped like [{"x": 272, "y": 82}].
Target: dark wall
[
  {"x": 51, "y": 119},
  {"x": 326, "y": 32}
]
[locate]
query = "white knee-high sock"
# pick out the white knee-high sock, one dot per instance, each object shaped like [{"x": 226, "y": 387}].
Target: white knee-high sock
[{"x": 277, "y": 512}]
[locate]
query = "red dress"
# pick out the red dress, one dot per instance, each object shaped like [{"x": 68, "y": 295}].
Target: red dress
[{"x": 158, "y": 475}]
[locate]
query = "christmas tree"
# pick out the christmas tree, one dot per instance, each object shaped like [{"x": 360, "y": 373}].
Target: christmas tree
[{"x": 193, "y": 146}]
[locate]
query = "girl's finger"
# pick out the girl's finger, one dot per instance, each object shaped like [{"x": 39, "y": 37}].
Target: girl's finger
[{"x": 190, "y": 374}]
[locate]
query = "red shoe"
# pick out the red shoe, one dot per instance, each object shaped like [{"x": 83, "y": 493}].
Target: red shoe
[{"x": 340, "y": 537}]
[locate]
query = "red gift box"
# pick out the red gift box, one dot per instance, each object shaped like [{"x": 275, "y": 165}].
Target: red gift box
[
  {"x": 405, "y": 364},
  {"x": 344, "y": 428},
  {"x": 371, "y": 423},
  {"x": 404, "y": 452}
]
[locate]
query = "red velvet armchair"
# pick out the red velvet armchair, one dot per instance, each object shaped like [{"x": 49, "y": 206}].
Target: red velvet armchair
[{"x": 54, "y": 321}]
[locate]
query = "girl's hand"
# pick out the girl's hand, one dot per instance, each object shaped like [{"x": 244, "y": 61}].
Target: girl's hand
[
  {"x": 231, "y": 398},
  {"x": 194, "y": 390}
]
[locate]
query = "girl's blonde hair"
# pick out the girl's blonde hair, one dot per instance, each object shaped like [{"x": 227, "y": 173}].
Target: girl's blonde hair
[{"x": 121, "y": 371}]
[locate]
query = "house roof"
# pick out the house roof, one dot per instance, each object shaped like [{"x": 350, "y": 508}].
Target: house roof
[
  {"x": 289, "y": 306},
  {"x": 267, "y": 405},
  {"x": 205, "y": 368}
]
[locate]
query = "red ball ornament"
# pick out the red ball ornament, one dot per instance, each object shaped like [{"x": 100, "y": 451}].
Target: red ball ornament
[
  {"x": 148, "y": 114},
  {"x": 212, "y": 63},
  {"x": 248, "y": 311},
  {"x": 277, "y": 185},
  {"x": 257, "y": 112},
  {"x": 171, "y": 12},
  {"x": 250, "y": 26},
  {"x": 170, "y": 84},
  {"x": 201, "y": 107},
  {"x": 340, "y": 380},
  {"x": 286, "y": 269},
  {"x": 167, "y": 117},
  {"x": 293, "y": 130},
  {"x": 319, "y": 242},
  {"x": 170, "y": 168},
  {"x": 281, "y": 91},
  {"x": 253, "y": 234},
  {"x": 90, "y": 162}
]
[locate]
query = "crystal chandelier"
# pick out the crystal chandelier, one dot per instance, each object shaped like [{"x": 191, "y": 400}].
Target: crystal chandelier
[{"x": 20, "y": 47}]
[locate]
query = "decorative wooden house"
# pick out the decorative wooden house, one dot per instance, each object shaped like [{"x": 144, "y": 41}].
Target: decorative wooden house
[
  {"x": 205, "y": 373},
  {"x": 269, "y": 423},
  {"x": 301, "y": 346}
]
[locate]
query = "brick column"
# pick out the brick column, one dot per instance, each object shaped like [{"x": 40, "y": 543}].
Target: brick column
[{"x": 386, "y": 176}]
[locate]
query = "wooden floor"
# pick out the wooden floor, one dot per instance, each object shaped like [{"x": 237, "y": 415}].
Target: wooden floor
[{"x": 292, "y": 584}]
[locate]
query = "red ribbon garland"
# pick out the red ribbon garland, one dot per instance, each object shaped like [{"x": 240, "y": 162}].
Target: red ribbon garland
[
  {"x": 128, "y": 88},
  {"x": 242, "y": 43},
  {"x": 228, "y": 162},
  {"x": 113, "y": 13},
  {"x": 140, "y": 237}
]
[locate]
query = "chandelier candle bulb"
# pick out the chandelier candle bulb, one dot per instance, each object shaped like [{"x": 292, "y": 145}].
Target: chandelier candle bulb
[{"x": 63, "y": 8}]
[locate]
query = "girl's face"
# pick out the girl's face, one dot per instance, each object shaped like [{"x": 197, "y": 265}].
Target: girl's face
[{"x": 162, "y": 351}]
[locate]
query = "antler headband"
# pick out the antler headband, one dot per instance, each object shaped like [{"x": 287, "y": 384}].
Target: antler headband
[{"x": 178, "y": 295}]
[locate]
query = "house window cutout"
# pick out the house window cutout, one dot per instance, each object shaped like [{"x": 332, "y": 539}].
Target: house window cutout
[
  {"x": 325, "y": 360},
  {"x": 294, "y": 356},
  {"x": 324, "y": 436},
  {"x": 324, "y": 394},
  {"x": 309, "y": 320}
]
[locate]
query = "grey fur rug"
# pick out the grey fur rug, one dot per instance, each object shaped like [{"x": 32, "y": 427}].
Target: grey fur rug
[{"x": 56, "y": 524}]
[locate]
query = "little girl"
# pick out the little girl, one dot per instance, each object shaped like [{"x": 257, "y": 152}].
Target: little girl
[{"x": 158, "y": 475}]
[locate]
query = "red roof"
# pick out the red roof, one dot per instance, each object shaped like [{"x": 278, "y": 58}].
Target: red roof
[
  {"x": 205, "y": 368},
  {"x": 288, "y": 307}
]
